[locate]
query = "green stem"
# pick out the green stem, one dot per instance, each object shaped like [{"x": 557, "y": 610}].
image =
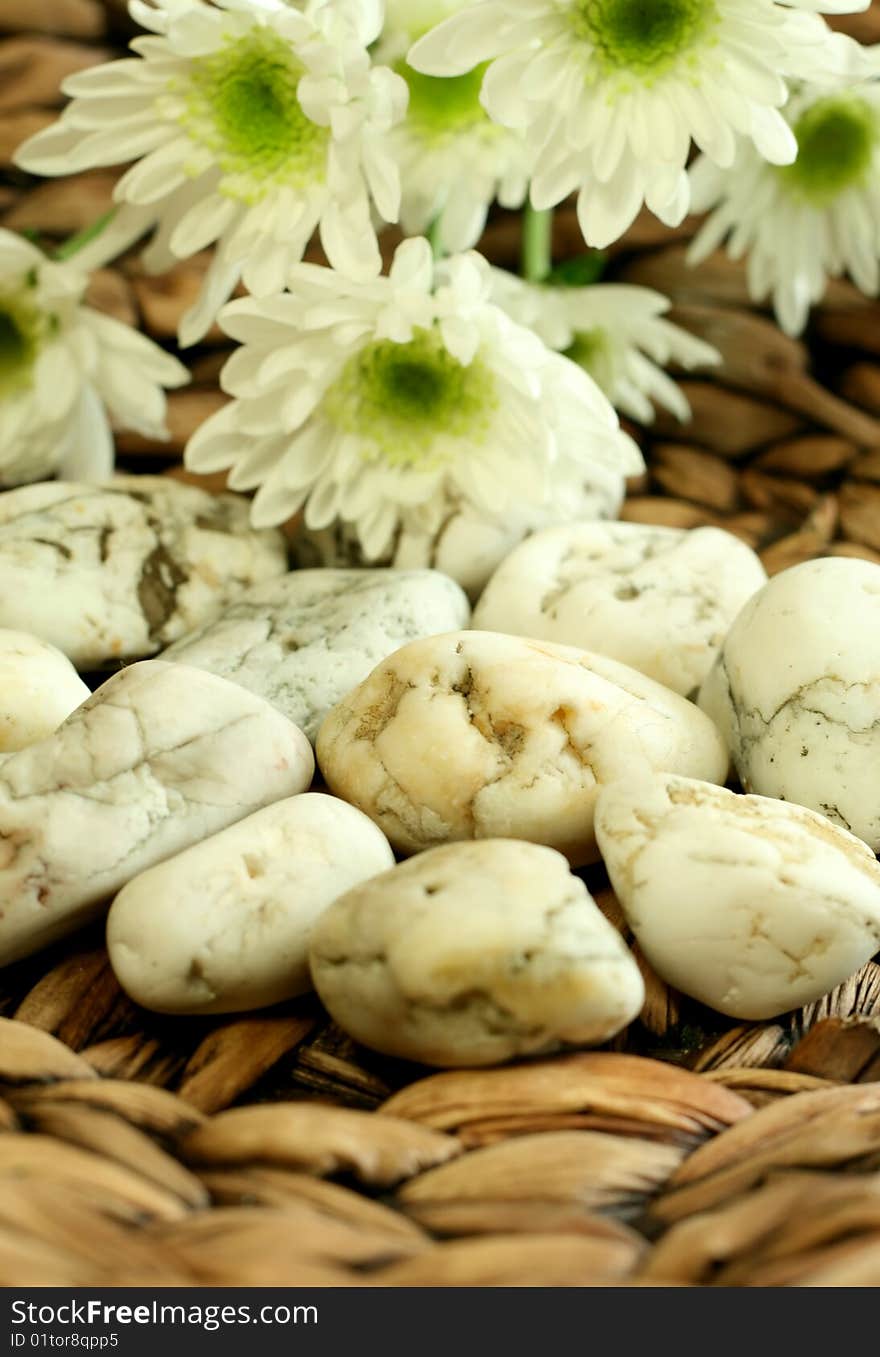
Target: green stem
[
  {"x": 84, "y": 237},
  {"x": 434, "y": 238},
  {"x": 537, "y": 243}
]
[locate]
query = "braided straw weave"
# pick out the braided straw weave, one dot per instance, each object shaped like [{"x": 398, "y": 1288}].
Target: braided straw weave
[{"x": 269, "y": 1149}]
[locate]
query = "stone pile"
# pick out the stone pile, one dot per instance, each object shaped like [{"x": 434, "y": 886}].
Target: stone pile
[{"x": 612, "y": 679}]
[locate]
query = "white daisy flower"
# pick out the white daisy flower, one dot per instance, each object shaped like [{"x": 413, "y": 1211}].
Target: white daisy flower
[
  {"x": 63, "y": 368},
  {"x": 385, "y": 403},
  {"x": 615, "y": 332},
  {"x": 814, "y": 220},
  {"x": 830, "y": 6},
  {"x": 469, "y": 545},
  {"x": 250, "y": 125},
  {"x": 610, "y": 93},
  {"x": 454, "y": 162}
]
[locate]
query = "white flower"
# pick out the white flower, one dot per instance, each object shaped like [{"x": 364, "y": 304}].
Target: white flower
[
  {"x": 615, "y": 332},
  {"x": 469, "y": 545},
  {"x": 250, "y": 125},
  {"x": 63, "y": 367},
  {"x": 812, "y": 220},
  {"x": 830, "y": 6},
  {"x": 610, "y": 92},
  {"x": 454, "y": 162},
  {"x": 385, "y": 403}
]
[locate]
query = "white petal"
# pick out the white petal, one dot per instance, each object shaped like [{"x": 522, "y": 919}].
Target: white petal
[
  {"x": 605, "y": 211},
  {"x": 462, "y": 220},
  {"x": 202, "y": 224},
  {"x": 461, "y": 42},
  {"x": 126, "y": 226},
  {"x": 383, "y": 178},
  {"x": 89, "y": 453},
  {"x": 264, "y": 272},
  {"x": 413, "y": 266},
  {"x": 349, "y": 240},
  {"x": 773, "y": 137},
  {"x": 218, "y": 286}
]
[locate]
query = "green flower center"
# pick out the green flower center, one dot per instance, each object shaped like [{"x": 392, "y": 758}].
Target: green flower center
[
  {"x": 242, "y": 104},
  {"x": 592, "y": 351},
  {"x": 440, "y": 106},
  {"x": 22, "y": 330},
  {"x": 405, "y": 400},
  {"x": 836, "y": 140},
  {"x": 643, "y": 36}
]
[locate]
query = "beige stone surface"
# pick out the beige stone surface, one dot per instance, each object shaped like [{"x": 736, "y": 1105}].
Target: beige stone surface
[
  {"x": 796, "y": 692},
  {"x": 658, "y": 599},
  {"x": 39, "y": 688},
  {"x": 752, "y": 905},
  {"x": 476, "y": 735},
  {"x": 224, "y": 926},
  {"x": 119, "y": 570},
  {"x": 474, "y": 953},
  {"x": 160, "y": 757}
]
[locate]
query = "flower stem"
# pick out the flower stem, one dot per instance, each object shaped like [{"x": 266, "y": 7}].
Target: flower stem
[
  {"x": 537, "y": 243},
  {"x": 434, "y": 238},
  {"x": 84, "y": 237}
]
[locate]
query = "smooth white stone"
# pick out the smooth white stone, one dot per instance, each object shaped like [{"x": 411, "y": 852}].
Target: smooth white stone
[
  {"x": 474, "y": 953},
  {"x": 658, "y": 599},
  {"x": 796, "y": 692},
  {"x": 751, "y": 905},
  {"x": 305, "y": 640},
  {"x": 39, "y": 688},
  {"x": 467, "y": 546},
  {"x": 475, "y": 735},
  {"x": 225, "y": 925},
  {"x": 119, "y": 570},
  {"x": 159, "y": 757}
]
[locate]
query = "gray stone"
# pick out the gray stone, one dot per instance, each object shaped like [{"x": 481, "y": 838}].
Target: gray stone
[{"x": 305, "y": 640}]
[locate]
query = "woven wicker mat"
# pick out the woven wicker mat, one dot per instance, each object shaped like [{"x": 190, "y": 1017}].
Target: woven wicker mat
[{"x": 269, "y": 1149}]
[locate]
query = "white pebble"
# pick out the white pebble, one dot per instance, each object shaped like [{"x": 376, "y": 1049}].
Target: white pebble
[
  {"x": 474, "y": 953},
  {"x": 475, "y": 735},
  {"x": 159, "y": 757},
  {"x": 658, "y": 599},
  {"x": 796, "y": 692},
  {"x": 303, "y": 641},
  {"x": 225, "y": 925},
  {"x": 119, "y": 570},
  {"x": 39, "y": 688},
  {"x": 751, "y": 905}
]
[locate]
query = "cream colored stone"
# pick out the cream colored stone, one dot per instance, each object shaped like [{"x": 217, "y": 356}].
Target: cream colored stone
[
  {"x": 157, "y": 759},
  {"x": 796, "y": 692},
  {"x": 475, "y": 735},
  {"x": 39, "y": 688},
  {"x": 474, "y": 953},
  {"x": 225, "y": 925},
  {"x": 751, "y": 905},
  {"x": 658, "y": 599},
  {"x": 119, "y": 570}
]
